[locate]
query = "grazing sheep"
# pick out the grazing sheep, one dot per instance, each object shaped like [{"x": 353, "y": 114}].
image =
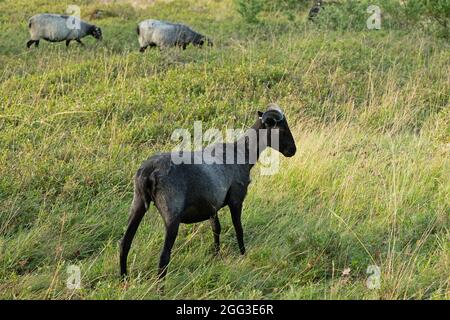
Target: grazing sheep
[
  {"x": 189, "y": 193},
  {"x": 314, "y": 11},
  {"x": 154, "y": 33},
  {"x": 56, "y": 28}
]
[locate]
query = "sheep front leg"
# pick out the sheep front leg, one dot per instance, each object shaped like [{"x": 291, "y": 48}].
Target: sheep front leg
[
  {"x": 151, "y": 45},
  {"x": 79, "y": 41},
  {"x": 171, "y": 235},
  {"x": 30, "y": 43},
  {"x": 215, "y": 225},
  {"x": 236, "y": 210}
]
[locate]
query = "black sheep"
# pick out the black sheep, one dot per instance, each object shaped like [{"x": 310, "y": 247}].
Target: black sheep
[{"x": 189, "y": 193}]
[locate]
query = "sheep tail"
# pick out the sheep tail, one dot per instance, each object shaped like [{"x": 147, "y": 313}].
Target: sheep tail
[
  {"x": 29, "y": 24},
  {"x": 145, "y": 187},
  {"x": 138, "y": 31}
]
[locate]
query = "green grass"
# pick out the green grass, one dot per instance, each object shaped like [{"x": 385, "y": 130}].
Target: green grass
[{"x": 369, "y": 185}]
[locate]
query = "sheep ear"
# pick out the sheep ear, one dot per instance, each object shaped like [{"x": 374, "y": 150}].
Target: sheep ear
[{"x": 260, "y": 114}]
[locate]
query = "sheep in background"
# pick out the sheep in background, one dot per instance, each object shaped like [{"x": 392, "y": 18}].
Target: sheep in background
[
  {"x": 56, "y": 28},
  {"x": 314, "y": 11},
  {"x": 156, "y": 33}
]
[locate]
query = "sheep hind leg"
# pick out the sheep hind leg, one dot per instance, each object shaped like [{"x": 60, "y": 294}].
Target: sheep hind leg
[
  {"x": 68, "y": 42},
  {"x": 215, "y": 225},
  {"x": 236, "y": 210},
  {"x": 136, "y": 213}
]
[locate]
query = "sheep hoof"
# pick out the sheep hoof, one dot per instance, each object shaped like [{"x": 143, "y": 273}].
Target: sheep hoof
[
  {"x": 160, "y": 288},
  {"x": 217, "y": 254},
  {"x": 124, "y": 277}
]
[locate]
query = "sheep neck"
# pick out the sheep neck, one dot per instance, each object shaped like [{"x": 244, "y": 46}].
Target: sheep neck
[{"x": 256, "y": 146}]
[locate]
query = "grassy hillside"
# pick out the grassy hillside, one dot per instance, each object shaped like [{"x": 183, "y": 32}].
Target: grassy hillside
[{"x": 369, "y": 185}]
